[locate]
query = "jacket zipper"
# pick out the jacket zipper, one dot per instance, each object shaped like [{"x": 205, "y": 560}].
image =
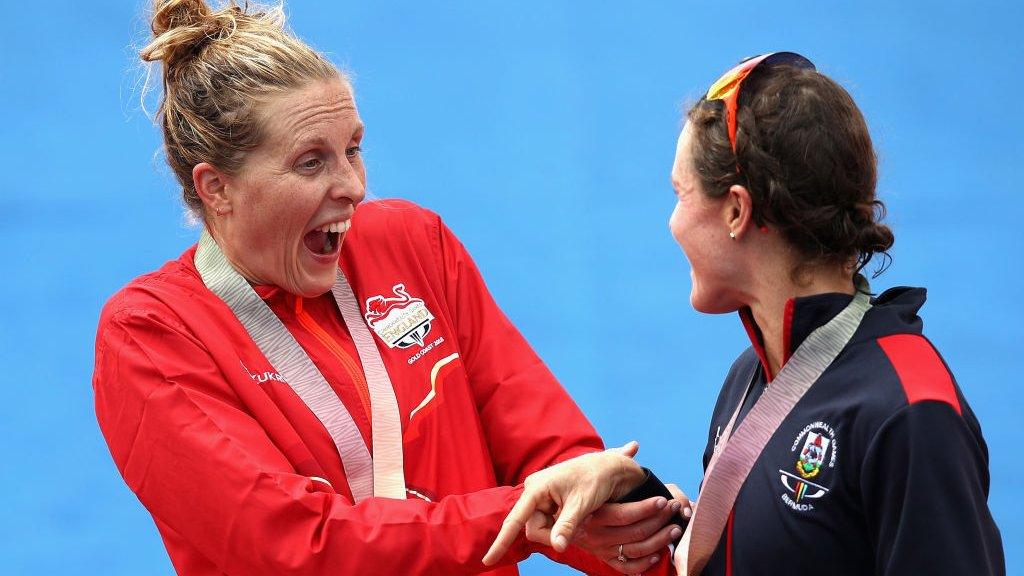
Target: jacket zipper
[{"x": 347, "y": 362}]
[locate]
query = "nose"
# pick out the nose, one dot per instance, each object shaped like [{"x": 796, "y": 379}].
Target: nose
[{"x": 349, "y": 182}]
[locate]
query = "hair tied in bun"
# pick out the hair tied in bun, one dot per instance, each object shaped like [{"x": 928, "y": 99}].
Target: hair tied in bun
[
  {"x": 183, "y": 27},
  {"x": 218, "y": 66}
]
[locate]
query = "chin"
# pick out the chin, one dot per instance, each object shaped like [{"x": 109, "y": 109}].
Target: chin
[
  {"x": 313, "y": 286},
  {"x": 318, "y": 288},
  {"x": 309, "y": 278},
  {"x": 706, "y": 303},
  {"x": 701, "y": 306}
]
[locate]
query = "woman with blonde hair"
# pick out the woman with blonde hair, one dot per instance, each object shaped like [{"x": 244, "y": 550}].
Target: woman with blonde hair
[
  {"x": 840, "y": 442},
  {"x": 320, "y": 385}
]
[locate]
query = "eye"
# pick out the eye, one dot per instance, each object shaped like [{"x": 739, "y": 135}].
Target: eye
[
  {"x": 353, "y": 151},
  {"x": 310, "y": 164}
]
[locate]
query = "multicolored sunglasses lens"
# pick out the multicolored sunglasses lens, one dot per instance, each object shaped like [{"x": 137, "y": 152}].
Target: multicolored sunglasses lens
[{"x": 727, "y": 88}]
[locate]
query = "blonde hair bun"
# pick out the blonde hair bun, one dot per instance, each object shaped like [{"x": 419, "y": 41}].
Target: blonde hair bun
[
  {"x": 183, "y": 27},
  {"x": 218, "y": 66}
]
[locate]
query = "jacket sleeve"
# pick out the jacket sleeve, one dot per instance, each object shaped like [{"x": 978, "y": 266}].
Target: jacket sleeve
[
  {"x": 925, "y": 487},
  {"x": 528, "y": 419},
  {"x": 205, "y": 469}
]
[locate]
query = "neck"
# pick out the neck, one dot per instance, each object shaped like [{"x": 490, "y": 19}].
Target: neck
[
  {"x": 229, "y": 255},
  {"x": 768, "y": 304}
]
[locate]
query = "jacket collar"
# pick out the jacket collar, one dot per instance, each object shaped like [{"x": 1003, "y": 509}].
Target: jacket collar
[
  {"x": 893, "y": 311},
  {"x": 800, "y": 317},
  {"x": 267, "y": 291}
]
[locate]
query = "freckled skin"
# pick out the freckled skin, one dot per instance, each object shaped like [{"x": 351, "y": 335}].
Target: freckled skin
[{"x": 307, "y": 172}]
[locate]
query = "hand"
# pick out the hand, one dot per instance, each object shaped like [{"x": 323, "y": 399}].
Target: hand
[
  {"x": 568, "y": 492},
  {"x": 684, "y": 502},
  {"x": 639, "y": 527},
  {"x": 636, "y": 530}
]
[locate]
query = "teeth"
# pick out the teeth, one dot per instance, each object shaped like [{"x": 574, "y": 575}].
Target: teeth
[{"x": 336, "y": 227}]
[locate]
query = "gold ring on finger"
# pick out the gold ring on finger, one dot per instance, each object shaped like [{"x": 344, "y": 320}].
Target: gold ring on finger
[{"x": 622, "y": 557}]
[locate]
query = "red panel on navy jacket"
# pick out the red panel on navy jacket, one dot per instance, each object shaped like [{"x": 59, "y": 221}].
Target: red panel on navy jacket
[{"x": 241, "y": 478}]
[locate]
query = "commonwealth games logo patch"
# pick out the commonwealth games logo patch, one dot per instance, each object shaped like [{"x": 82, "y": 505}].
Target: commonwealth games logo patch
[
  {"x": 402, "y": 321},
  {"x": 815, "y": 450},
  {"x": 812, "y": 455}
]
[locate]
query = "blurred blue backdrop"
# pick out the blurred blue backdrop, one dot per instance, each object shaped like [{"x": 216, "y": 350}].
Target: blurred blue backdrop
[{"x": 543, "y": 132}]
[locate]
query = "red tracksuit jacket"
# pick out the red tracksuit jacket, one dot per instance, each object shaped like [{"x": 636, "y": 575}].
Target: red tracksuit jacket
[{"x": 242, "y": 479}]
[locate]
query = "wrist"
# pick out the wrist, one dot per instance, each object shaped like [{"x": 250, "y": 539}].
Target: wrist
[{"x": 629, "y": 476}]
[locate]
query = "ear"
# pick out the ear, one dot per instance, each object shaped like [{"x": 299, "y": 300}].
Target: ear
[
  {"x": 738, "y": 211},
  {"x": 211, "y": 184}
]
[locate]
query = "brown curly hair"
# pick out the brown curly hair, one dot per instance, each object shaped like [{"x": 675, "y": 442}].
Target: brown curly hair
[{"x": 804, "y": 153}]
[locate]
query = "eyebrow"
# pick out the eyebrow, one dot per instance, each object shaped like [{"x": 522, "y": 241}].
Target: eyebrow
[{"x": 299, "y": 141}]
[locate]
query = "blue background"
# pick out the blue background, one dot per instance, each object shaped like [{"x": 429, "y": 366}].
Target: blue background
[{"x": 543, "y": 132}]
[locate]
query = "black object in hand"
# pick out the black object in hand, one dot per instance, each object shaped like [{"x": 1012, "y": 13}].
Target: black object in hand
[{"x": 649, "y": 488}]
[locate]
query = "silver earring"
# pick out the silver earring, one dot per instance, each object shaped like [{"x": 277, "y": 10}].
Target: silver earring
[{"x": 732, "y": 235}]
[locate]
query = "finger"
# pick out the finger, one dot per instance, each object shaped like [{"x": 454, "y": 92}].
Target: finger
[
  {"x": 512, "y": 526},
  {"x": 634, "y": 565},
  {"x": 653, "y": 544},
  {"x": 641, "y": 531},
  {"x": 568, "y": 520},
  {"x": 628, "y": 513},
  {"x": 581, "y": 533},
  {"x": 629, "y": 448},
  {"x": 538, "y": 528},
  {"x": 676, "y": 491},
  {"x": 684, "y": 501}
]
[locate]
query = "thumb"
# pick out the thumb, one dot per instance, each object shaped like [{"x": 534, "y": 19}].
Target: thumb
[
  {"x": 567, "y": 523},
  {"x": 629, "y": 448}
]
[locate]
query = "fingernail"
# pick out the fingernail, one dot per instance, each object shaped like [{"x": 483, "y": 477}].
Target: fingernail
[
  {"x": 655, "y": 558},
  {"x": 660, "y": 503},
  {"x": 675, "y": 506},
  {"x": 560, "y": 543},
  {"x": 676, "y": 532},
  {"x": 688, "y": 512}
]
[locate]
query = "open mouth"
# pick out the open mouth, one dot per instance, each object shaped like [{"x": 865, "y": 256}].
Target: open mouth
[{"x": 324, "y": 241}]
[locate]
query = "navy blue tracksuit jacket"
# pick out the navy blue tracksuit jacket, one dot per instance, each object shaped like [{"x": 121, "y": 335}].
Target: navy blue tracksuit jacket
[{"x": 881, "y": 467}]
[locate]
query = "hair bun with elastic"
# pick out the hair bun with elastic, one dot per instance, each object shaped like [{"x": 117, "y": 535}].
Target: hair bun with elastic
[
  {"x": 220, "y": 64},
  {"x": 182, "y": 27},
  {"x": 171, "y": 14}
]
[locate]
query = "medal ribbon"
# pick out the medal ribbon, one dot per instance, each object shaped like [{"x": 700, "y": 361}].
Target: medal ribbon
[
  {"x": 735, "y": 455},
  {"x": 380, "y": 475}
]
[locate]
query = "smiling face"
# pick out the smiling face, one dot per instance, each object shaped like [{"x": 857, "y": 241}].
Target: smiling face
[
  {"x": 286, "y": 212},
  {"x": 699, "y": 224}
]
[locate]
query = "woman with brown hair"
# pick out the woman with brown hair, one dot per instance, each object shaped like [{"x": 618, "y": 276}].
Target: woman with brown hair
[
  {"x": 321, "y": 385},
  {"x": 840, "y": 442}
]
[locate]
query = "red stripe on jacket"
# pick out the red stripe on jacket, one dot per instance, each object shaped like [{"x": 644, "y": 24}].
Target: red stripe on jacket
[{"x": 921, "y": 371}]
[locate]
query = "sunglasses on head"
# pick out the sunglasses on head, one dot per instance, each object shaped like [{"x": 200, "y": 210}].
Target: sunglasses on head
[{"x": 727, "y": 88}]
